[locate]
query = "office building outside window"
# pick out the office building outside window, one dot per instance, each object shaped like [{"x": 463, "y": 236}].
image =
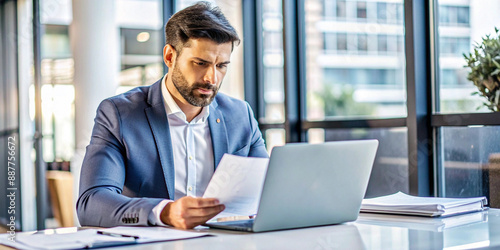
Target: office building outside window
[
  {"x": 272, "y": 66},
  {"x": 461, "y": 24},
  {"x": 355, "y": 69},
  {"x": 354, "y": 65}
]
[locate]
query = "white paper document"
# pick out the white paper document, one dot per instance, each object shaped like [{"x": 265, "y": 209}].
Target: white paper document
[
  {"x": 76, "y": 240},
  {"x": 436, "y": 224},
  {"x": 238, "y": 183},
  {"x": 153, "y": 234},
  {"x": 401, "y": 203},
  {"x": 90, "y": 238}
]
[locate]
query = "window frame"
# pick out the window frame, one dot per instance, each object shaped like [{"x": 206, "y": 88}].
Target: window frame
[{"x": 10, "y": 106}]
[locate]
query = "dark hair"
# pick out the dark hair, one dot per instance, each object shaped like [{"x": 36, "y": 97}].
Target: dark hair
[{"x": 199, "y": 21}]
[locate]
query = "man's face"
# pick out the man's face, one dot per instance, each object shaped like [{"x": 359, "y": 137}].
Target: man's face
[{"x": 198, "y": 71}]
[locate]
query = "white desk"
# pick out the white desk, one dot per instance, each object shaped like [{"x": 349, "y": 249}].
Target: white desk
[
  {"x": 362, "y": 234},
  {"x": 368, "y": 232}
]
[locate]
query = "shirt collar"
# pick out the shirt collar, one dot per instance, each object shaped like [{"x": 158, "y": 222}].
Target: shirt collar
[{"x": 173, "y": 109}]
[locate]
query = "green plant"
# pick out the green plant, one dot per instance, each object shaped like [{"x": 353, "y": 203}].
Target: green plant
[{"x": 485, "y": 70}]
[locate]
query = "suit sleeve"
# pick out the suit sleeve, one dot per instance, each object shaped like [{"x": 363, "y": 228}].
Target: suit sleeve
[
  {"x": 100, "y": 202},
  {"x": 258, "y": 148}
]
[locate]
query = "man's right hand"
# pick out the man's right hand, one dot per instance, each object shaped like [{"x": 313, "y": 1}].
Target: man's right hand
[{"x": 189, "y": 212}]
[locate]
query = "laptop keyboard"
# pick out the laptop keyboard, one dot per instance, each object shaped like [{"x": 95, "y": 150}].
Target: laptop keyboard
[{"x": 241, "y": 225}]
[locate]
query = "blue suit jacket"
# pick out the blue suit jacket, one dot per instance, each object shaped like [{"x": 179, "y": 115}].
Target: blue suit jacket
[{"x": 129, "y": 167}]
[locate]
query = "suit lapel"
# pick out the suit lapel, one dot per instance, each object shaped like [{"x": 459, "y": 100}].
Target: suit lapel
[
  {"x": 157, "y": 118},
  {"x": 218, "y": 133}
]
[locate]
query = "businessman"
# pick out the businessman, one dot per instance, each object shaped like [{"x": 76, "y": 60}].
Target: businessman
[{"x": 154, "y": 149}]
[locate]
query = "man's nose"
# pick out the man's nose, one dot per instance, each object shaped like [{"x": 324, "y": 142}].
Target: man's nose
[{"x": 211, "y": 75}]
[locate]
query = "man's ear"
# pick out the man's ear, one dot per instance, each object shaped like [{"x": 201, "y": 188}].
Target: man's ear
[{"x": 169, "y": 55}]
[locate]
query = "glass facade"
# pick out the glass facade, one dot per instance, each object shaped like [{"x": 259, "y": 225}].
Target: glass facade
[
  {"x": 272, "y": 52},
  {"x": 461, "y": 24},
  {"x": 355, "y": 69},
  {"x": 355, "y": 62},
  {"x": 468, "y": 159}
]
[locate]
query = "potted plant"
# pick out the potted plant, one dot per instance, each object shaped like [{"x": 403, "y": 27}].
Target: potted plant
[{"x": 484, "y": 64}]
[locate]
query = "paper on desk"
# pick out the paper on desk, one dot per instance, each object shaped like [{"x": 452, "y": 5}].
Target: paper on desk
[
  {"x": 77, "y": 240},
  {"x": 238, "y": 183},
  {"x": 89, "y": 238},
  {"x": 436, "y": 224},
  {"x": 153, "y": 234},
  {"x": 401, "y": 203}
]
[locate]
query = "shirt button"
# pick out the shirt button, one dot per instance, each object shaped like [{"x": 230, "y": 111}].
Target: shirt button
[
  {"x": 190, "y": 157},
  {"x": 190, "y": 188}
]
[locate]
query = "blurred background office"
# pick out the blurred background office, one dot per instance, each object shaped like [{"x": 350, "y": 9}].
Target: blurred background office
[{"x": 312, "y": 70}]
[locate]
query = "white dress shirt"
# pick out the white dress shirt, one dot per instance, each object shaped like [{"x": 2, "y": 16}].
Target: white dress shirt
[{"x": 192, "y": 151}]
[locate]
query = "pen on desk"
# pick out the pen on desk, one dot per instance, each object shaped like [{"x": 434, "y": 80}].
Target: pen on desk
[{"x": 117, "y": 235}]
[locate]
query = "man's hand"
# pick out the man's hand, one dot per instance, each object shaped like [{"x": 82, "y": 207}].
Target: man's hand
[{"x": 189, "y": 212}]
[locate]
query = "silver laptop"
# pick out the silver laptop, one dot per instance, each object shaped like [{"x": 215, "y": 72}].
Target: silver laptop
[{"x": 311, "y": 185}]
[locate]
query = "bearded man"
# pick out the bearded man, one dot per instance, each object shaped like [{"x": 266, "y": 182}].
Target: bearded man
[{"x": 154, "y": 149}]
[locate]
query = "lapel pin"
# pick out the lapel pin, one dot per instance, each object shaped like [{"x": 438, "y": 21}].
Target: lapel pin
[{"x": 218, "y": 120}]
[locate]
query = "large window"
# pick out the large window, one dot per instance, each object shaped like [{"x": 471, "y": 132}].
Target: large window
[
  {"x": 354, "y": 66},
  {"x": 394, "y": 71},
  {"x": 359, "y": 73},
  {"x": 265, "y": 62},
  {"x": 272, "y": 44},
  {"x": 340, "y": 73},
  {"x": 459, "y": 29},
  {"x": 467, "y": 154},
  {"x": 467, "y": 151}
]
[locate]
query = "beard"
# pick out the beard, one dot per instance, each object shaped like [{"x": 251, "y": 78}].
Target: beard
[{"x": 187, "y": 91}]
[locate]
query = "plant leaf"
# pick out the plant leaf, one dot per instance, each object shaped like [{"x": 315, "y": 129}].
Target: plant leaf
[{"x": 496, "y": 63}]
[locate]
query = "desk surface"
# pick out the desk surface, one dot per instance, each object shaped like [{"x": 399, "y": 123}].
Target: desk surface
[{"x": 370, "y": 231}]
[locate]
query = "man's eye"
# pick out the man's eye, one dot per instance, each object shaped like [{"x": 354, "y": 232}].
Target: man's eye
[
  {"x": 222, "y": 66},
  {"x": 199, "y": 63}
]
